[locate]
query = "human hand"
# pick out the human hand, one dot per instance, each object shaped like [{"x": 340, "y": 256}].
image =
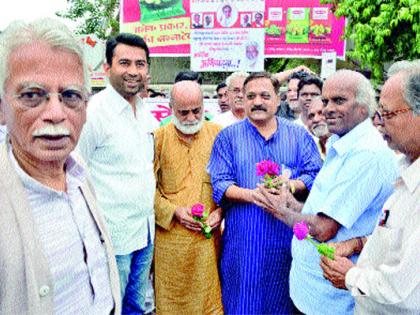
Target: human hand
[
  {"x": 271, "y": 199},
  {"x": 344, "y": 249},
  {"x": 184, "y": 217},
  {"x": 215, "y": 218},
  {"x": 335, "y": 270}
]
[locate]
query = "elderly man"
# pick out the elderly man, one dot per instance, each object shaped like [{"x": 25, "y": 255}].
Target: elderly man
[
  {"x": 182, "y": 152},
  {"x": 55, "y": 253},
  {"x": 252, "y": 55},
  {"x": 256, "y": 258},
  {"x": 347, "y": 195},
  {"x": 318, "y": 126},
  {"x": 386, "y": 278},
  {"x": 235, "y": 95},
  {"x": 117, "y": 143},
  {"x": 222, "y": 98}
]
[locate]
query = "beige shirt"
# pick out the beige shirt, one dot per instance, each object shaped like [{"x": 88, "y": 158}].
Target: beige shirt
[{"x": 386, "y": 279}]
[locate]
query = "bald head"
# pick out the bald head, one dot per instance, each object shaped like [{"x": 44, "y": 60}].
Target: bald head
[{"x": 186, "y": 101}]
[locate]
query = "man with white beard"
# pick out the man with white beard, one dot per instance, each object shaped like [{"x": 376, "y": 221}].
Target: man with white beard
[
  {"x": 182, "y": 150},
  {"x": 317, "y": 125}
]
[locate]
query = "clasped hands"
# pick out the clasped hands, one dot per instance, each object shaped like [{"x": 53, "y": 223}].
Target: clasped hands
[{"x": 185, "y": 218}]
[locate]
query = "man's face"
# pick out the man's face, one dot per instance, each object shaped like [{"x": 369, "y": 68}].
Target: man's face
[
  {"x": 235, "y": 94},
  {"x": 258, "y": 18},
  {"x": 48, "y": 132},
  {"x": 128, "y": 71},
  {"x": 307, "y": 94},
  {"x": 188, "y": 111},
  {"x": 261, "y": 101},
  {"x": 246, "y": 18},
  {"x": 292, "y": 96},
  {"x": 340, "y": 109},
  {"x": 227, "y": 11},
  {"x": 208, "y": 20},
  {"x": 251, "y": 52},
  {"x": 197, "y": 19},
  {"x": 316, "y": 122},
  {"x": 222, "y": 99},
  {"x": 402, "y": 130}
]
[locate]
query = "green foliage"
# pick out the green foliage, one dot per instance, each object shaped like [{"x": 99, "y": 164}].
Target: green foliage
[
  {"x": 275, "y": 65},
  {"x": 382, "y": 30},
  {"x": 98, "y": 17}
]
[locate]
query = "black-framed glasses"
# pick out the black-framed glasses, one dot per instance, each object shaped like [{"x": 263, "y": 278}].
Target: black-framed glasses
[
  {"x": 380, "y": 115},
  {"x": 33, "y": 96}
]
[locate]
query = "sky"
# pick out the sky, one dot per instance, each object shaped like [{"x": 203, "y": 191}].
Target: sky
[{"x": 29, "y": 10}]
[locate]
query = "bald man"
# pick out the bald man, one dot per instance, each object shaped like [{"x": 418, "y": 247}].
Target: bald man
[
  {"x": 186, "y": 274},
  {"x": 346, "y": 196}
]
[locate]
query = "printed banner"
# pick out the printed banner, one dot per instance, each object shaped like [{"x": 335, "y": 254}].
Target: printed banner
[
  {"x": 94, "y": 53},
  {"x": 279, "y": 28}
]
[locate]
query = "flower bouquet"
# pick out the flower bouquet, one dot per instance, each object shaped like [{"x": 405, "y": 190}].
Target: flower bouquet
[
  {"x": 270, "y": 171},
  {"x": 301, "y": 231},
  {"x": 201, "y": 216}
]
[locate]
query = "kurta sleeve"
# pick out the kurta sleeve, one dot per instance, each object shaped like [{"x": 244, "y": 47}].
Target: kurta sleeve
[
  {"x": 220, "y": 166},
  {"x": 164, "y": 209},
  {"x": 311, "y": 161}
]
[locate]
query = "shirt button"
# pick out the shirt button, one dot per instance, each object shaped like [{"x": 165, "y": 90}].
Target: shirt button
[{"x": 44, "y": 290}]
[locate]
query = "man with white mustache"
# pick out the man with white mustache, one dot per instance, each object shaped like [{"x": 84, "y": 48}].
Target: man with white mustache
[
  {"x": 317, "y": 125},
  {"x": 117, "y": 144},
  {"x": 55, "y": 253},
  {"x": 182, "y": 151}
]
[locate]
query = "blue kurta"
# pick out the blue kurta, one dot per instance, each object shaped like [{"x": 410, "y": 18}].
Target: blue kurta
[{"x": 255, "y": 260}]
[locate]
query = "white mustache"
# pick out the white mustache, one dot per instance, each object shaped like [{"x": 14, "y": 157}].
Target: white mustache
[{"x": 51, "y": 130}]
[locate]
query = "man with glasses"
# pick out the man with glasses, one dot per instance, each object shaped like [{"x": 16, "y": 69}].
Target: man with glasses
[
  {"x": 386, "y": 278},
  {"x": 346, "y": 197},
  {"x": 186, "y": 273},
  {"x": 55, "y": 254},
  {"x": 117, "y": 143},
  {"x": 256, "y": 258},
  {"x": 235, "y": 96}
]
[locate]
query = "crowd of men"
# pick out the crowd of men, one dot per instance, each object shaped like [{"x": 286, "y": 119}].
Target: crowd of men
[{"x": 92, "y": 190}]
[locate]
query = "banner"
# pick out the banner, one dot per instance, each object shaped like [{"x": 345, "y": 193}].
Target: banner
[
  {"x": 201, "y": 29},
  {"x": 94, "y": 53}
]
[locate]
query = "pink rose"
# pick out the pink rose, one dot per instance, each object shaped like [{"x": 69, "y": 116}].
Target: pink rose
[
  {"x": 301, "y": 230},
  {"x": 197, "y": 210},
  {"x": 268, "y": 167},
  {"x": 273, "y": 168},
  {"x": 262, "y": 168}
]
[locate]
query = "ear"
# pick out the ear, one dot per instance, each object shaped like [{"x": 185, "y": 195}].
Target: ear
[{"x": 107, "y": 68}]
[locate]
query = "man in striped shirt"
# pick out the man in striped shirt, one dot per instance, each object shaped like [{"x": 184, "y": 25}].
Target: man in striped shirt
[{"x": 55, "y": 253}]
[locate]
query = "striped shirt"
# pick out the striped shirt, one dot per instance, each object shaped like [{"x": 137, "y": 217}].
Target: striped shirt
[
  {"x": 256, "y": 257},
  {"x": 71, "y": 241}
]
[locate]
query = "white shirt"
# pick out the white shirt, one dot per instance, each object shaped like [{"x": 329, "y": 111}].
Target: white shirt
[
  {"x": 225, "y": 119},
  {"x": 119, "y": 151},
  {"x": 386, "y": 279},
  {"x": 3, "y": 133}
]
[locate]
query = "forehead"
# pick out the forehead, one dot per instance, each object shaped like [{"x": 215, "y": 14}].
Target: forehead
[
  {"x": 184, "y": 100},
  {"x": 336, "y": 87},
  {"x": 316, "y": 107},
  {"x": 237, "y": 82},
  {"x": 310, "y": 88},
  {"x": 123, "y": 51},
  {"x": 39, "y": 63},
  {"x": 259, "y": 85},
  {"x": 392, "y": 96},
  {"x": 293, "y": 84},
  {"x": 222, "y": 90}
]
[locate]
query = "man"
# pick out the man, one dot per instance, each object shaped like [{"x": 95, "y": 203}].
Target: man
[
  {"x": 347, "y": 194},
  {"x": 226, "y": 19},
  {"x": 208, "y": 21},
  {"x": 318, "y": 126},
  {"x": 55, "y": 253},
  {"x": 117, "y": 144},
  {"x": 258, "y": 20},
  {"x": 385, "y": 279},
  {"x": 235, "y": 95},
  {"x": 308, "y": 89},
  {"x": 256, "y": 257},
  {"x": 251, "y": 54},
  {"x": 222, "y": 98},
  {"x": 182, "y": 152},
  {"x": 246, "y": 21},
  {"x": 197, "y": 21}
]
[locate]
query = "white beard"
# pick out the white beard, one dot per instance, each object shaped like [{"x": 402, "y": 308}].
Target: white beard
[
  {"x": 189, "y": 128},
  {"x": 320, "y": 130}
]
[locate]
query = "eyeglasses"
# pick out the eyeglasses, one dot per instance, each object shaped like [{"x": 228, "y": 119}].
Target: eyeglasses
[
  {"x": 34, "y": 96},
  {"x": 236, "y": 90},
  {"x": 381, "y": 115}
]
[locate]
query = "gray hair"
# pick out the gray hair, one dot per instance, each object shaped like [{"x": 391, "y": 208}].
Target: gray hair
[
  {"x": 47, "y": 30},
  {"x": 366, "y": 95},
  {"x": 402, "y": 65},
  {"x": 412, "y": 90},
  {"x": 235, "y": 75}
]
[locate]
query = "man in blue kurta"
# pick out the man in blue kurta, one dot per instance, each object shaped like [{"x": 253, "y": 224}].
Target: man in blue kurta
[
  {"x": 346, "y": 197},
  {"x": 255, "y": 259}
]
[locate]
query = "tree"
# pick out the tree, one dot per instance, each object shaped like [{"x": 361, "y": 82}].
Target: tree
[
  {"x": 383, "y": 31},
  {"x": 98, "y": 17}
]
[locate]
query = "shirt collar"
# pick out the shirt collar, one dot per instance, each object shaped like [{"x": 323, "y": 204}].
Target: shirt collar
[
  {"x": 75, "y": 174},
  {"x": 351, "y": 139},
  {"x": 119, "y": 103},
  {"x": 411, "y": 175}
]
